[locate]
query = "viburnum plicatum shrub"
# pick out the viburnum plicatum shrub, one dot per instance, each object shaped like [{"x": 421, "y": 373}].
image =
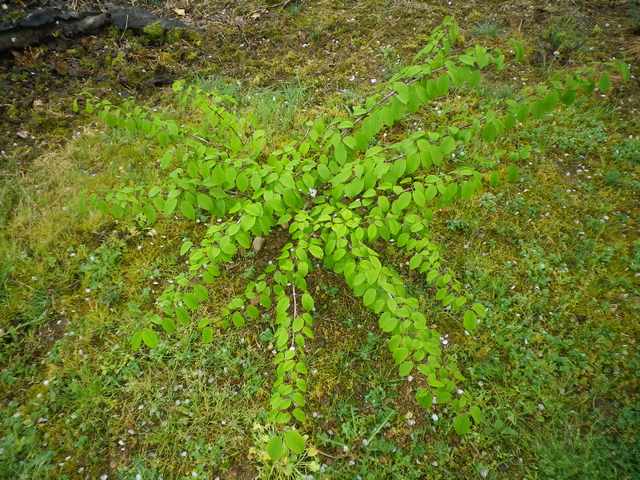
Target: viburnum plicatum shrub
[{"x": 340, "y": 192}]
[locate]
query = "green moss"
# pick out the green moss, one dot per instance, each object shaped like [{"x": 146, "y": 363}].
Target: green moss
[{"x": 154, "y": 31}]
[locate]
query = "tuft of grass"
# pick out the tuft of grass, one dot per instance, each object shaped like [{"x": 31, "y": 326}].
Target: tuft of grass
[{"x": 487, "y": 28}]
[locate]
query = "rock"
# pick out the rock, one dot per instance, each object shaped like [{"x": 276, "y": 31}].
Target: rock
[
  {"x": 138, "y": 19},
  {"x": 46, "y": 23},
  {"x": 258, "y": 242}
]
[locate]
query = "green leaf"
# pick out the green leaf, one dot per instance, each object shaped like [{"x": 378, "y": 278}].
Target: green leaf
[
  {"x": 186, "y": 207},
  {"x": 136, "y": 340},
  {"x": 150, "y": 213},
  {"x": 518, "y": 50},
  {"x": 415, "y": 261},
  {"x": 418, "y": 196},
  {"x": 476, "y": 413},
  {"x": 605, "y": 83},
  {"x": 185, "y": 247},
  {"x": 170, "y": 205},
  {"x": 405, "y": 368},
  {"x": 350, "y": 142},
  {"x": 294, "y": 441},
  {"x": 307, "y": 302},
  {"x": 168, "y": 325},
  {"x": 191, "y": 301},
  {"x": 238, "y": 319},
  {"x": 200, "y": 292},
  {"x": 383, "y": 203},
  {"x": 462, "y": 424},
  {"x": 402, "y": 202},
  {"x": 624, "y": 69},
  {"x": 297, "y": 324},
  {"x": 480, "y": 309},
  {"x": 340, "y": 152},
  {"x": 436, "y": 154},
  {"x": 447, "y": 145},
  {"x": 430, "y": 193},
  {"x": 316, "y": 251},
  {"x": 182, "y": 315},
  {"x": 292, "y": 199},
  {"x": 276, "y": 448},
  {"x": 299, "y": 415},
  {"x": 324, "y": 172},
  {"x": 387, "y": 322},
  {"x": 372, "y": 232},
  {"x": 253, "y": 312},
  {"x": 150, "y": 337},
  {"x": 470, "y": 321},
  {"x": 372, "y": 275},
  {"x": 354, "y": 187},
  {"x": 369, "y": 297},
  {"x": 568, "y": 97},
  {"x": 403, "y": 92},
  {"x": 242, "y": 181},
  {"x": 489, "y": 132},
  {"x": 400, "y": 354},
  {"x": 207, "y": 335},
  {"x": 205, "y": 202}
]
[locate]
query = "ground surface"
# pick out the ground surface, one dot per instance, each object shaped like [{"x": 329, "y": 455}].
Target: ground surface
[{"x": 555, "y": 257}]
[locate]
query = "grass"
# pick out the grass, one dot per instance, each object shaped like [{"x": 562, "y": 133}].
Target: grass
[{"x": 554, "y": 254}]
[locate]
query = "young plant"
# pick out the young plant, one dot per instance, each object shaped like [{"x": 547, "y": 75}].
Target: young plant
[{"x": 341, "y": 193}]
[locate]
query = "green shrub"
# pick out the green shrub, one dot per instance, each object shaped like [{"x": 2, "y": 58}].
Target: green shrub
[{"x": 335, "y": 196}]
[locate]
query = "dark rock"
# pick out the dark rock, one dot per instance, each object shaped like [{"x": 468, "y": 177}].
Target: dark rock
[
  {"x": 45, "y": 16},
  {"x": 44, "y": 23},
  {"x": 138, "y": 19}
]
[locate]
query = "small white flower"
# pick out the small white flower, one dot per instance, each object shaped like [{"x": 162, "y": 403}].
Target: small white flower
[
  {"x": 183, "y": 453},
  {"x": 435, "y": 417},
  {"x": 313, "y": 192},
  {"x": 373, "y": 81}
]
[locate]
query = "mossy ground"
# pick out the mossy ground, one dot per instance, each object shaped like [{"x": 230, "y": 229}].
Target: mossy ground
[{"x": 556, "y": 255}]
